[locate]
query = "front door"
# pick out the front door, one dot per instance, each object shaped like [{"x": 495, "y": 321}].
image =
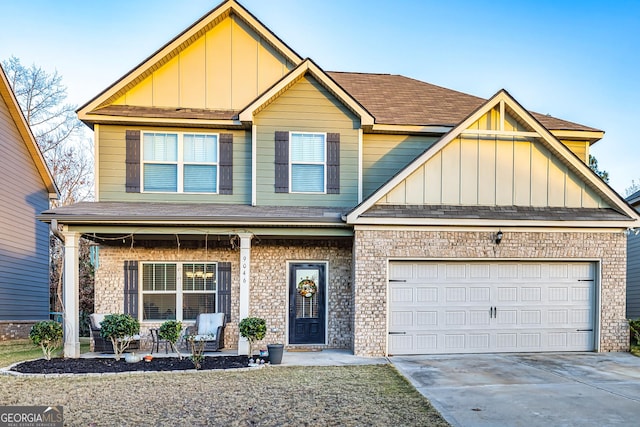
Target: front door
[{"x": 306, "y": 303}]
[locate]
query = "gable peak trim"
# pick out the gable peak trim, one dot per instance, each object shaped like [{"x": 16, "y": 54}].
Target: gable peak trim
[{"x": 306, "y": 67}]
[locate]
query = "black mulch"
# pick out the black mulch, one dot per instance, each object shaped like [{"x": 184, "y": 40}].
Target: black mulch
[{"x": 85, "y": 366}]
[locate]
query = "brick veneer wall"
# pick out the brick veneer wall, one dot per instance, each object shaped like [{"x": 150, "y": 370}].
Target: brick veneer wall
[
  {"x": 269, "y": 292},
  {"x": 13, "y": 330},
  {"x": 373, "y": 249}
]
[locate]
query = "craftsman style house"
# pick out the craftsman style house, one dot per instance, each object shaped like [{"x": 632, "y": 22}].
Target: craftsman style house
[
  {"x": 368, "y": 212},
  {"x": 27, "y": 186}
]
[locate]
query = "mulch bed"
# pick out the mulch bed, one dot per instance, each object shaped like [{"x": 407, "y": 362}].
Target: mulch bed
[{"x": 104, "y": 365}]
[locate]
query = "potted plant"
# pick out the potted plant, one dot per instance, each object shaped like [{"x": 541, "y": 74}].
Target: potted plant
[
  {"x": 120, "y": 329},
  {"x": 253, "y": 329},
  {"x": 170, "y": 331},
  {"x": 48, "y": 335}
]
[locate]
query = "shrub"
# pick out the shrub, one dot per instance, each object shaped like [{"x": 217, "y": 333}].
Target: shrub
[
  {"x": 120, "y": 329},
  {"x": 48, "y": 335},
  {"x": 253, "y": 329},
  {"x": 635, "y": 329},
  {"x": 197, "y": 350},
  {"x": 170, "y": 331}
]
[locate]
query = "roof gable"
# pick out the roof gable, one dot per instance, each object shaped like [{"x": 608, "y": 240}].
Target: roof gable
[
  {"x": 184, "y": 74},
  {"x": 8, "y": 97},
  {"x": 306, "y": 67},
  {"x": 500, "y": 155}
]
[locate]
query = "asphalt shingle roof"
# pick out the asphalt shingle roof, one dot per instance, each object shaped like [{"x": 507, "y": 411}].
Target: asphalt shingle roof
[
  {"x": 400, "y": 100},
  {"x": 495, "y": 212},
  {"x": 123, "y": 212}
]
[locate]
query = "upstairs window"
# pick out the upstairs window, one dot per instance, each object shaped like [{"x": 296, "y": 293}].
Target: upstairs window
[
  {"x": 308, "y": 162},
  {"x": 180, "y": 163}
]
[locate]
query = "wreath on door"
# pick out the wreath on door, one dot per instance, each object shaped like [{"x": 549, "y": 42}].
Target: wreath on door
[{"x": 307, "y": 288}]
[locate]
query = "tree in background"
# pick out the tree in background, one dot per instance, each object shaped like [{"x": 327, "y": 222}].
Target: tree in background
[
  {"x": 593, "y": 164},
  {"x": 68, "y": 153}
]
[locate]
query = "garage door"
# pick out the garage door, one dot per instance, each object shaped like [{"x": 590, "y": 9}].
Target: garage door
[{"x": 478, "y": 307}]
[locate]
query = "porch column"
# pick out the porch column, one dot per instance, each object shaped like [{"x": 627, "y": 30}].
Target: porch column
[
  {"x": 70, "y": 294},
  {"x": 245, "y": 285}
]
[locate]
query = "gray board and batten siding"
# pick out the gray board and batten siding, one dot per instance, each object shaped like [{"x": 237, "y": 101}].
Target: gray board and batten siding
[
  {"x": 633, "y": 276},
  {"x": 24, "y": 257}
]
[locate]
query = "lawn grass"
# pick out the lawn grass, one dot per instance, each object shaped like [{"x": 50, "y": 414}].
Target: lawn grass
[
  {"x": 367, "y": 395},
  {"x": 20, "y": 350}
]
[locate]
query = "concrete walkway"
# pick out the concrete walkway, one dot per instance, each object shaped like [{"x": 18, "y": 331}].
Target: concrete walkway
[{"x": 561, "y": 389}]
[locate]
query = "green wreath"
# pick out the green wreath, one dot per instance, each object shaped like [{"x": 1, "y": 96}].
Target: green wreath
[{"x": 307, "y": 288}]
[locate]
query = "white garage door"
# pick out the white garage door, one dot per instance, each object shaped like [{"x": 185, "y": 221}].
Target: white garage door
[{"x": 482, "y": 307}]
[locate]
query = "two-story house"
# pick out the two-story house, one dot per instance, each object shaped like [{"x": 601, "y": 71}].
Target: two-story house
[
  {"x": 24, "y": 244},
  {"x": 369, "y": 212}
]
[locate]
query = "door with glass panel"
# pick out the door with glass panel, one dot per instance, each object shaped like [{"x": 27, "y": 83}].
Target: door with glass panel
[{"x": 307, "y": 303}]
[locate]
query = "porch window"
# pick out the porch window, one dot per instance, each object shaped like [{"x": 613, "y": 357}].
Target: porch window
[
  {"x": 178, "y": 290},
  {"x": 180, "y": 163},
  {"x": 308, "y": 162}
]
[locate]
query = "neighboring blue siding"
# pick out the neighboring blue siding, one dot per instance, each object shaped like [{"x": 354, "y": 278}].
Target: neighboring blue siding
[
  {"x": 24, "y": 246},
  {"x": 633, "y": 276}
]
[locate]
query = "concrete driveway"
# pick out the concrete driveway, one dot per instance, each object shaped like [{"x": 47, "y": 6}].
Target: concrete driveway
[{"x": 557, "y": 389}]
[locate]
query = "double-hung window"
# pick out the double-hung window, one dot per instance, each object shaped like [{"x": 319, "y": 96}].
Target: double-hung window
[
  {"x": 180, "y": 162},
  {"x": 308, "y": 153},
  {"x": 178, "y": 290}
]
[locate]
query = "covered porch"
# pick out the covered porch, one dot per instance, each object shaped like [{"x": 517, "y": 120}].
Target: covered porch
[{"x": 184, "y": 242}]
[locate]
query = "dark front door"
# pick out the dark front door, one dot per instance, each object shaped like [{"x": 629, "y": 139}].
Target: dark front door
[{"x": 307, "y": 303}]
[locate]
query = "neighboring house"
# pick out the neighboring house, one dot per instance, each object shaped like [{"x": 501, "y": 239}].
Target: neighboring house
[
  {"x": 231, "y": 172},
  {"x": 27, "y": 186},
  {"x": 633, "y": 265}
]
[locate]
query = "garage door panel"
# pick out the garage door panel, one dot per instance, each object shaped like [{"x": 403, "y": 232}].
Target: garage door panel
[
  {"x": 454, "y": 307},
  {"x": 426, "y": 295}
]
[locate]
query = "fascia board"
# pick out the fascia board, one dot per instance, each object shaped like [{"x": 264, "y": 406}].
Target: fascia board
[
  {"x": 578, "y": 135},
  {"x": 116, "y": 120}
]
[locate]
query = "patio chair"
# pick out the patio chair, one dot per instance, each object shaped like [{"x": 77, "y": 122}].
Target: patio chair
[
  {"x": 209, "y": 328},
  {"x": 104, "y": 345}
]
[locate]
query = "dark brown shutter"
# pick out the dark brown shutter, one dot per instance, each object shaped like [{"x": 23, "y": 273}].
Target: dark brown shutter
[
  {"x": 226, "y": 164},
  {"x": 224, "y": 290},
  {"x": 131, "y": 288},
  {"x": 282, "y": 162},
  {"x": 333, "y": 163},
  {"x": 133, "y": 161}
]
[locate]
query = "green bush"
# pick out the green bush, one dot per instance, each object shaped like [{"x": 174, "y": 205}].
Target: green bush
[
  {"x": 635, "y": 329},
  {"x": 48, "y": 335},
  {"x": 253, "y": 329},
  {"x": 170, "y": 331},
  {"x": 120, "y": 329}
]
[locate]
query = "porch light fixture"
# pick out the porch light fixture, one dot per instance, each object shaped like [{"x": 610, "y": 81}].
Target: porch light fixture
[{"x": 499, "y": 237}]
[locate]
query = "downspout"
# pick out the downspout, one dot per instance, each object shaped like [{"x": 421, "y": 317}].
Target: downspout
[{"x": 54, "y": 229}]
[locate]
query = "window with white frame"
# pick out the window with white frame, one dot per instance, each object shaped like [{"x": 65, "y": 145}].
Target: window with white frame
[
  {"x": 178, "y": 291},
  {"x": 308, "y": 162},
  {"x": 180, "y": 162}
]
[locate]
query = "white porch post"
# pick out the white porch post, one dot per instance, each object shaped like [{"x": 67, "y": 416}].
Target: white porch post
[
  {"x": 70, "y": 295},
  {"x": 245, "y": 282}
]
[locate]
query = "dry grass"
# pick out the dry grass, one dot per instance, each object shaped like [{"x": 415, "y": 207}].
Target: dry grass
[{"x": 272, "y": 396}]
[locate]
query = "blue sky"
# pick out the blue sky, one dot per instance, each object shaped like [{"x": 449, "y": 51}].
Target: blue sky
[{"x": 577, "y": 60}]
